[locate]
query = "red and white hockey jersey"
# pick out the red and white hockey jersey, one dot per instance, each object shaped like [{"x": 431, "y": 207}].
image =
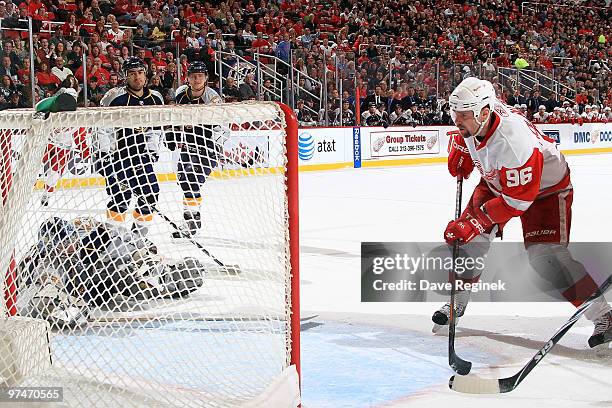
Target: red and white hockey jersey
[
  {"x": 65, "y": 137},
  {"x": 518, "y": 163}
]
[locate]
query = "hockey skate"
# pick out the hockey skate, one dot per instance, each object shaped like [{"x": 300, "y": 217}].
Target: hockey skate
[
  {"x": 441, "y": 317},
  {"x": 603, "y": 330}
]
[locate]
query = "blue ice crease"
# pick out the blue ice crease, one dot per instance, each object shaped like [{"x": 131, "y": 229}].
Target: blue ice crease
[{"x": 347, "y": 365}]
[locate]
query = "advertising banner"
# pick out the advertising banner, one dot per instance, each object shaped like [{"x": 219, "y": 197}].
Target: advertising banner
[
  {"x": 324, "y": 145},
  {"x": 400, "y": 143}
]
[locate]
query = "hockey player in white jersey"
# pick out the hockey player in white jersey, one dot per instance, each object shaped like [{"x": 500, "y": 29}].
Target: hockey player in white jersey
[
  {"x": 82, "y": 264},
  {"x": 522, "y": 175},
  {"x": 200, "y": 147},
  {"x": 59, "y": 149},
  {"x": 541, "y": 116}
]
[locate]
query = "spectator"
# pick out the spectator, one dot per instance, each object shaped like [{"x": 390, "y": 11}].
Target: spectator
[
  {"x": 100, "y": 73},
  {"x": 516, "y": 98},
  {"x": 46, "y": 79},
  {"x": 247, "y": 89},
  {"x": 59, "y": 70},
  {"x": 113, "y": 80},
  {"x": 7, "y": 89},
  {"x": 303, "y": 115},
  {"x": 115, "y": 35},
  {"x": 145, "y": 20},
  {"x": 116, "y": 70},
  {"x": 377, "y": 98},
  {"x": 158, "y": 33},
  {"x": 7, "y": 68},
  {"x": 23, "y": 74},
  {"x": 8, "y": 51},
  {"x": 95, "y": 92},
  {"x": 44, "y": 52},
  {"x": 535, "y": 102},
  {"x": 156, "y": 84},
  {"x": 230, "y": 90}
]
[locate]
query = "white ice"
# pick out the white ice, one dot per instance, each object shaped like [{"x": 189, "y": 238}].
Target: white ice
[
  {"x": 361, "y": 355},
  {"x": 382, "y": 354}
]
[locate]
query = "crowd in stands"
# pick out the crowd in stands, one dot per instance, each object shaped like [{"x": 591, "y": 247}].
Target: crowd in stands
[{"x": 382, "y": 63}]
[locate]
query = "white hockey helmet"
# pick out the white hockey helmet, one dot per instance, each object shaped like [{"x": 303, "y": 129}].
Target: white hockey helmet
[{"x": 472, "y": 94}]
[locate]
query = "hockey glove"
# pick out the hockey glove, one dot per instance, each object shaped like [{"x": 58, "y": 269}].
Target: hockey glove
[
  {"x": 466, "y": 228},
  {"x": 459, "y": 159}
]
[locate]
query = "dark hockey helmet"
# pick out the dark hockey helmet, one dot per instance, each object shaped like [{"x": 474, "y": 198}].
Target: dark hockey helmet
[
  {"x": 197, "y": 67},
  {"x": 57, "y": 234},
  {"x": 133, "y": 63}
]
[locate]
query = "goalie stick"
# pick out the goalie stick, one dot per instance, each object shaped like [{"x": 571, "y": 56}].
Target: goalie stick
[
  {"x": 476, "y": 385},
  {"x": 231, "y": 269},
  {"x": 459, "y": 365}
]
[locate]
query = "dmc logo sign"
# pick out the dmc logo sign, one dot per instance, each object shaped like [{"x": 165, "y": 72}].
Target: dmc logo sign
[
  {"x": 582, "y": 137},
  {"x": 306, "y": 146}
]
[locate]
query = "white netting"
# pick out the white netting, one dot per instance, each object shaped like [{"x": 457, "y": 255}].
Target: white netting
[{"x": 139, "y": 313}]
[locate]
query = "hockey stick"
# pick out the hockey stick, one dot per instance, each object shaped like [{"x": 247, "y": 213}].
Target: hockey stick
[
  {"x": 459, "y": 365},
  {"x": 231, "y": 269},
  {"x": 476, "y": 385}
]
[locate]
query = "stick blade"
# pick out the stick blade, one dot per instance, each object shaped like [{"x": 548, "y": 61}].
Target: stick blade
[
  {"x": 459, "y": 365},
  {"x": 474, "y": 385}
]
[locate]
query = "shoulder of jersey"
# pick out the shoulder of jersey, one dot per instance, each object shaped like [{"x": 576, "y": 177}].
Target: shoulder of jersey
[
  {"x": 180, "y": 90},
  {"x": 213, "y": 96},
  {"x": 157, "y": 95},
  {"x": 111, "y": 95},
  {"x": 513, "y": 140}
]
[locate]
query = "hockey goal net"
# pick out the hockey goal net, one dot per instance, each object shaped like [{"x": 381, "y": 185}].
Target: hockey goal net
[{"x": 116, "y": 295}]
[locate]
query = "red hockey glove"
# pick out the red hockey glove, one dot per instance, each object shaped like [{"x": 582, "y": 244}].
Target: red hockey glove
[
  {"x": 466, "y": 228},
  {"x": 459, "y": 159}
]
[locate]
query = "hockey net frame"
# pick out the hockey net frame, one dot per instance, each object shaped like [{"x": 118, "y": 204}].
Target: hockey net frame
[{"x": 18, "y": 178}]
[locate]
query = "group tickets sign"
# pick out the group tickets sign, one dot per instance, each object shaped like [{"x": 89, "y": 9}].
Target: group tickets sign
[{"x": 392, "y": 143}]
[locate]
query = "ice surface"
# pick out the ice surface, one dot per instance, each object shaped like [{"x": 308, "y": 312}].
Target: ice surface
[{"x": 382, "y": 354}]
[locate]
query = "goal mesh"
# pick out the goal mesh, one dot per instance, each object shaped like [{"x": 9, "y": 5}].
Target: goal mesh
[{"x": 100, "y": 247}]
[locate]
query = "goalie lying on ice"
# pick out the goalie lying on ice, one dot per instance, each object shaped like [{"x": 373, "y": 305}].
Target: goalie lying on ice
[{"x": 81, "y": 264}]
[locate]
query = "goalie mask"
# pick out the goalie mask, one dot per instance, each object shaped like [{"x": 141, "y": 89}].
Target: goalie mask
[{"x": 58, "y": 236}]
